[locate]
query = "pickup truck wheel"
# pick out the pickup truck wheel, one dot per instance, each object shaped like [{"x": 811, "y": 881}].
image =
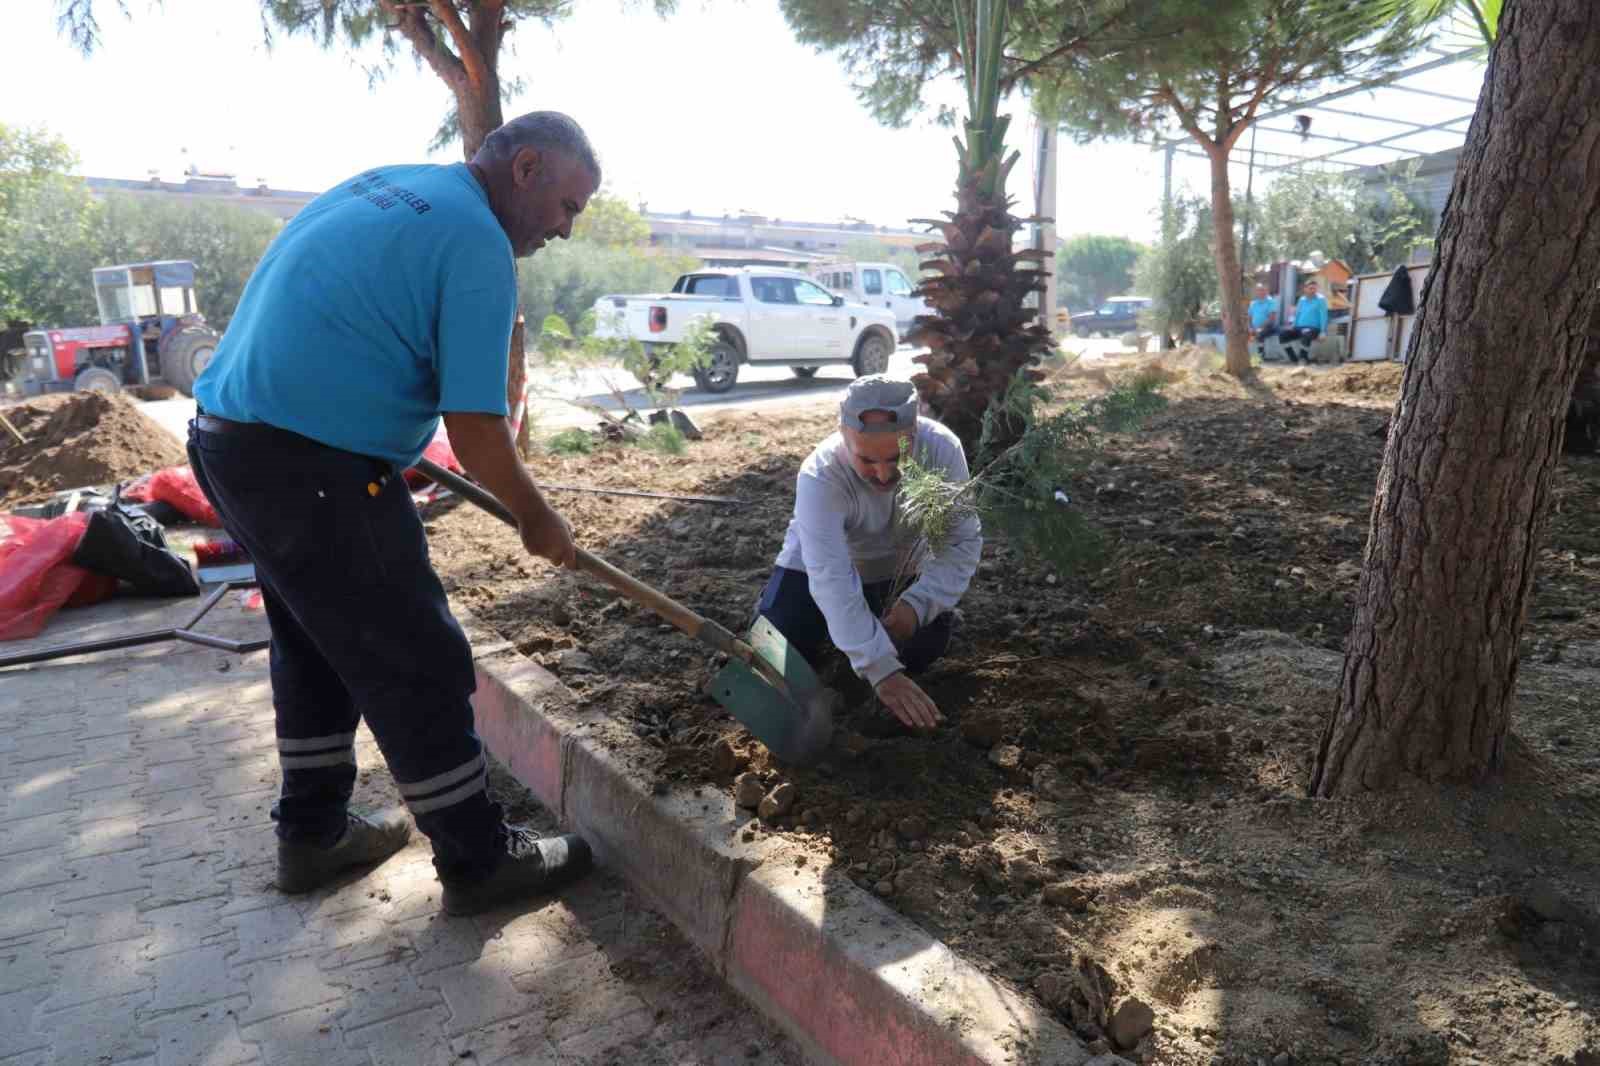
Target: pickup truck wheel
[
  {"x": 721, "y": 371},
  {"x": 872, "y": 356},
  {"x": 804, "y": 371}
]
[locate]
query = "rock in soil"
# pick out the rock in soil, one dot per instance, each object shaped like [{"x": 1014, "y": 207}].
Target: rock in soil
[
  {"x": 748, "y": 790},
  {"x": 1026, "y": 874},
  {"x": 575, "y": 662},
  {"x": 726, "y": 759},
  {"x": 912, "y": 828},
  {"x": 983, "y": 730},
  {"x": 1049, "y": 783},
  {"x": 1131, "y": 1022},
  {"x": 1007, "y": 757},
  {"x": 778, "y": 802},
  {"x": 1066, "y": 894}
]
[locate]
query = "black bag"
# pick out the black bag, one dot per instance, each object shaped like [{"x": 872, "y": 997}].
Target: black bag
[
  {"x": 131, "y": 546},
  {"x": 1397, "y": 298}
]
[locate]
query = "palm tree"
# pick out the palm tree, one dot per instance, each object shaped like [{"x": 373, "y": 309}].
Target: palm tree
[
  {"x": 981, "y": 335},
  {"x": 1483, "y": 15}
]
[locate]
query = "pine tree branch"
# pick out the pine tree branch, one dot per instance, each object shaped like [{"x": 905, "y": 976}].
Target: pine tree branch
[
  {"x": 477, "y": 70},
  {"x": 489, "y": 26},
  {"x": 1186, "y": 117},
  {"x": 412, "y": 23}
]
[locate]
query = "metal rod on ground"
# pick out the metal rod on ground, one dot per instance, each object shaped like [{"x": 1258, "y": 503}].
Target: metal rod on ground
[
  {"x": 184, "y": 633},
  {"x": 14, "y": 432},
  {"x": 638, "y": 492}
]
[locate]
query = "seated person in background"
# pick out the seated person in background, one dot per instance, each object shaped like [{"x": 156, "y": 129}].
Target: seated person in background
[
  {"x": 1263, "y": 319},
  {"x": 1310, "y": 322},
  {"x": 835, "y": 575}
]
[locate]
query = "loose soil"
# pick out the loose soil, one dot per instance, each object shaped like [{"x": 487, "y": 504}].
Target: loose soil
[
  {"x": 1115, "y": 808},
  {"x": 75, "y": 440}
]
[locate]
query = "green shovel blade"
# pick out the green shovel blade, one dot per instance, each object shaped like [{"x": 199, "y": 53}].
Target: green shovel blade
[{"x": 795, "y": 727}]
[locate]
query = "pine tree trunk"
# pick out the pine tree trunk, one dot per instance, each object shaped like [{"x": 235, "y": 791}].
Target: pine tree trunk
[
  {"x": 1229, "y": 281},
  {"x": 479, "y": 113},
  {"x": 1431, "y": 664}
]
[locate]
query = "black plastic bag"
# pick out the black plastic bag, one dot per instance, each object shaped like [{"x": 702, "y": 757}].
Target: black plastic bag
[
  {"x": 131, "y": 546},
  {"x": 1397, "y": 298}
]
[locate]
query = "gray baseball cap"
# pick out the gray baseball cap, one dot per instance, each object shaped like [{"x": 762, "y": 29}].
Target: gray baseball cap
[{"x": 875, "y": 392}]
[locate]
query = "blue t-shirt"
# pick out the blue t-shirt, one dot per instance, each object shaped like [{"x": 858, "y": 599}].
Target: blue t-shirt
[
  {"x": 1312, "y": 311},
  {"x": 387, "y": 301},
  {"x": 1261, "y": 310}
]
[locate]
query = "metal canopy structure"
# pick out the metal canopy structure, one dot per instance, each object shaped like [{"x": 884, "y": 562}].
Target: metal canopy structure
[{"x": 1410, "y": 113}]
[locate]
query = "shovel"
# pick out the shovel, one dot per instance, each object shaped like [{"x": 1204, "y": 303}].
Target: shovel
[{"x": 766, "y": 685}]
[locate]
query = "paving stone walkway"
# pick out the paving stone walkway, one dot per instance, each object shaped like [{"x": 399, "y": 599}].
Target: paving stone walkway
[{"x": 138, "y": 923}]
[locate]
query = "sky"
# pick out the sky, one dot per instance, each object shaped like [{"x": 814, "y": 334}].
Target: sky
[{"x": 714, "y": 109}]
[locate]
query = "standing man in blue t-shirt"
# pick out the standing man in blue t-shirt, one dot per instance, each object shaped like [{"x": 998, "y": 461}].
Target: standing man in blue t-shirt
[
  {"x": 385, "y": 304},
  {"x": 1263, "y": 319},
  {"x": 1310, "y": 322}
]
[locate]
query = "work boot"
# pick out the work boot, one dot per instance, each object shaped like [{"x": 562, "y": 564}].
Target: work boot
[
  {"x": 367, "y": 840},
  {"x": 529, "y": 867}
]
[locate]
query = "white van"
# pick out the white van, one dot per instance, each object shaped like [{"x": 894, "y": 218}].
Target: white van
[{"x": 876, "y": 285}]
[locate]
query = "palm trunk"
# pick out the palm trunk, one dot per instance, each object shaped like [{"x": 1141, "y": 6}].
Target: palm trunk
[
  {"x": 1431, "y": 665},
  {"x": 1229, "y": 281}
]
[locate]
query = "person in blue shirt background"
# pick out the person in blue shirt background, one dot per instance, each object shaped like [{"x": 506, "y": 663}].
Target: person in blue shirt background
[
  {"x": 1263, "y": 319},
  {"x": 385, "y": 304},
  {"x": 1310, "y": 322}
]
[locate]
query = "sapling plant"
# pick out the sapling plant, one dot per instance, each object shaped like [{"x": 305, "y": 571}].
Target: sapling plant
[{"x": 1028, "y": 460}]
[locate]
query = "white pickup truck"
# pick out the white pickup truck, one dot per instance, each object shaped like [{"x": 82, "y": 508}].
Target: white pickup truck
[{"x": 762, "y": 317}]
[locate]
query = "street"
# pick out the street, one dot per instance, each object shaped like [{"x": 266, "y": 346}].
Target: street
[{"x": 554, "y": 398}]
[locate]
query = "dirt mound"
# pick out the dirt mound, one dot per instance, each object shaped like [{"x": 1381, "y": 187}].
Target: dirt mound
[
  {"x": 1115, "y": 810},
  {"x": 1367, "y": 384},
  {"x": 79, "y": 439}
]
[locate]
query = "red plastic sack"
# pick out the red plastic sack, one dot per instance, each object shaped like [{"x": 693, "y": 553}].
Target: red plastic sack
[
  {"x": 138, "y": 490},
  {"x": 176, "y": 485},
  {"x": 36, "y": 580},
  {"x": 439, "y": 452}
]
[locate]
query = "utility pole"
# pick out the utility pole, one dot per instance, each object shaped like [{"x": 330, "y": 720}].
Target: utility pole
[{"x": 1044, "y": 195}]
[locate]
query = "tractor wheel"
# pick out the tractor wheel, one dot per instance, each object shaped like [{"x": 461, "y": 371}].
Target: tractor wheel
[
  {"x": 97, "y": 379},
  {"x": 186, "y": 354}
]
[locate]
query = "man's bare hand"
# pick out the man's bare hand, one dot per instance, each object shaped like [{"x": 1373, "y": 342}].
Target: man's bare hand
[
  {"x": 901, "y": 622},
  {"x": 906, "y": 700},
  {"x": 548, "y": 535}
]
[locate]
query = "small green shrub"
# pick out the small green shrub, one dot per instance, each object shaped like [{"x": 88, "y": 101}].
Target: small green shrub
[
  {"x": 664, "y": 438},
  {"x": 572, "y": 441}
]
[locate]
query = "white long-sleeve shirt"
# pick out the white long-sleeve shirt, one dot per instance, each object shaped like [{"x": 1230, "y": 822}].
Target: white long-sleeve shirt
[{"x": 844, "y": 534}]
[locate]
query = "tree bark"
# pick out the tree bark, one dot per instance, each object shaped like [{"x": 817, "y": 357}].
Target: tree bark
[
  {"x": 478, "y": 112},
  {"x": 1431, "y": 664},
  {"x": 1229, "y": 280}
]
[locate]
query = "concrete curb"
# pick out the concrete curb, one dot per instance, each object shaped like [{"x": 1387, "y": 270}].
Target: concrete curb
[{"x": 852, "y": 981}]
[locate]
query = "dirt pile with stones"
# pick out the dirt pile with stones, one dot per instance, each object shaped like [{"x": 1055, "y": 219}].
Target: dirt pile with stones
[{"x": 76, "y": 440}]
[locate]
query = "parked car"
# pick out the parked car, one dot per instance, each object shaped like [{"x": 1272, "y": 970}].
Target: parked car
[
  {"x": 1116, "y": 316},
  {"x": 760, "y": 316},
  {"x": 876, "y": 285}
]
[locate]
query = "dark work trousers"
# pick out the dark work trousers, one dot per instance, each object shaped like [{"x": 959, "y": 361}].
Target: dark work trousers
[
  {"x": 360, "y": 629},
  {"x": 786, "y": 602},
  {"x": 1290, "y": 334}
]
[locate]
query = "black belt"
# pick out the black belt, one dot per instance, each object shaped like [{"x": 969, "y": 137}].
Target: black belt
[
  {"x": 213, "y": 424},
  {"x": 382, "y": 468}
]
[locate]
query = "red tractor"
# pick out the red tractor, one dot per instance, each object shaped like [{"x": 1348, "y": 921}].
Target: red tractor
[{"x": 150, "y": 333}]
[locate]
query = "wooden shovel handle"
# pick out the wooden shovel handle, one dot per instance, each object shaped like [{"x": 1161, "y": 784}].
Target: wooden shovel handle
[{"x": 696, "y": 626}]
